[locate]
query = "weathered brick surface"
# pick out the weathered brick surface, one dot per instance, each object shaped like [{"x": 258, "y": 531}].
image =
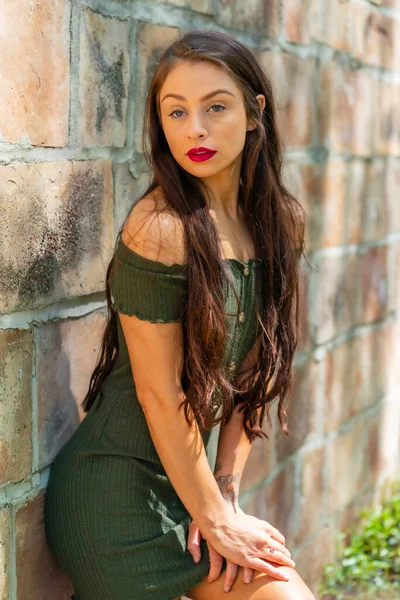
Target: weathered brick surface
[
  {"x": 15, "y": 404},
  {"x": 296, "y": 19},
  {"x": 374, "y": 284},
  {"x": 151, "y": 42},
  {"x": 337, "y": 292},
  {"x": 383, "y": 440},
  {"x": 58, "y": 231},
  {"x": 347, "y": 465},
  {"x": 343, "y": 383},
  {"x": 127, "y": 190},
  {"x": 4, "y": 553},
  {"x": 34, "y": 75},
  {"x": 274, "y": 503},
  {"x": 375, "y": 37},
  {"x": 38, "y": 574},
  {"x": 377, "y": 353},
  {"x": 386, "y": 123},
  {"x": 67, "y": 354},
  {"x": 368, "y": 210},
  {"x": 302, "y": 423},
  {"x": 292, "y": 80},
  {"x": 104, "y": 78},
  {"x": 262, "y": 17},
  {"x": 313, "y": 555},
  {"x": 312, "y": 493},
  {"x": 342, "y": 124},
  {"x": 331, "y": 23},
  {"x": 201, "y": 6},
  {"x": 259, "y": 464}
]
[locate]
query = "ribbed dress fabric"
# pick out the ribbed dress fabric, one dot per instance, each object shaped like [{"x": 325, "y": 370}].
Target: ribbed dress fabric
[{"x": 112, "y": 517}]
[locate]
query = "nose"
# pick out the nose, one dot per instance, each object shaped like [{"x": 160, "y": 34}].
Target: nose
[{"x": 195, "y": 127}]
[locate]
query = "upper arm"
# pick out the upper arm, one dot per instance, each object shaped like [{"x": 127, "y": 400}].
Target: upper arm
[{"x": 155, "y": 348}]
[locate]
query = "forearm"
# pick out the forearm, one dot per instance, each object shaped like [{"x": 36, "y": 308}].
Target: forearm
[
  {"x": 181, "y": 451},
  {"x": 232, "y": 454}
]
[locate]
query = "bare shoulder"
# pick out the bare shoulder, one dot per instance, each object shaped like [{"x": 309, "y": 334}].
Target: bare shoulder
[{"x": 153, "y": 230}]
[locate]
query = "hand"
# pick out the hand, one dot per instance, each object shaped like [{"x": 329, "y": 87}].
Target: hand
[
  {"x": 216, "y": 559},
  {"x": 247, "y": 541},
  {"x": 281, "y": 554}
]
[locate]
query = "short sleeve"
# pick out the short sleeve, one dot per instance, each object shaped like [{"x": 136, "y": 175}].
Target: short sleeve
[{"x": 146, "y": 288}]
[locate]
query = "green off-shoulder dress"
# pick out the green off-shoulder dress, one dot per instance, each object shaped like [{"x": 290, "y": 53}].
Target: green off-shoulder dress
[{"x": 113, "y": 519}]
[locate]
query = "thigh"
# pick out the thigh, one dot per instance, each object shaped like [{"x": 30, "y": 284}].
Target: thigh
[{"x": 262, "y": 587}]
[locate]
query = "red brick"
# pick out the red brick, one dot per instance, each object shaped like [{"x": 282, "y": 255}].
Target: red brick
[
  {"x": 38, "y": 574},
  {"x": 394, "y": 290},
  {"x": 383, "y": 440},
  {"x": 346, "y": 105},
  {"x": 15, "y": 404},
  {"x": 275, "y": 503},
  {"x": 368, "y": 216},
  {"x": 60, "y": 234},
  {"x": 260, "y": 461},
  {"x": 296, "y": 21},
  {"x": 386, "y": 120},
  {"x": 374, "y": 36},
  {"x": 4, "y": 553},
  {"x": 374, "y": 284},
  {"x": 67, "y": 354},
  {"x": 336, "y": 301},
  {"x": 347, "y": 463},
  {"x": 343, "y": 383},
  {"x": 293, "y": 81},
  {"x": 320, "y": 189},
  {"x": 331, "y": 23},
  {"x": 312, "y": 490},
  {"x": 302, "y": 418},
  {"x": 377, "y": 363},
  {"x": 262, "y": 17},
  {"x": 104, "y": 78},
  {"x": 304, "y": 342},
  {"x": 392, "y": 193},
  {"x": 34, "y": 37}
]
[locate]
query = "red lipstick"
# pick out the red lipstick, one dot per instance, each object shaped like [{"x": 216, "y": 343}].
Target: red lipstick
[{"x": 200, "y": 154}]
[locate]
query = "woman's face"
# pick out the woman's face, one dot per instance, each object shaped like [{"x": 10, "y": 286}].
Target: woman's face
[{"x": 217, "y": 122}]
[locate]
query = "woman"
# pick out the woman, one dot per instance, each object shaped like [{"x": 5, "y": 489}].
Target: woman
[{"x": 202, "y": 295}]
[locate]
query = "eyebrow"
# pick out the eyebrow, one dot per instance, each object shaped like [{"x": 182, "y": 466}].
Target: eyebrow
[{"x": 206, "y": 97}]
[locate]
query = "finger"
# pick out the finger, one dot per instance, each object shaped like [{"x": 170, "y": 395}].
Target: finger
[
  {"x": 278, "y": 557},
  {"x": 230, "y": 575},
  {"x": 247, "y": 575},
  {"x": 216, "y": 562},
  {"x": 264, "y": 567},
  {"x": 279, "y": 547},
  {"x": 193, "y": 544},
  {"x": 274, "y": 533}
]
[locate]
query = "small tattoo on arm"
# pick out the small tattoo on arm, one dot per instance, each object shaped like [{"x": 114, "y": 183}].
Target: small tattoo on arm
[{"x": 226, "y": 484}]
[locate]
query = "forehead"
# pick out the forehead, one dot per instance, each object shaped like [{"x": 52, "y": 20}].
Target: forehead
[{"x": 194, "y": 79}]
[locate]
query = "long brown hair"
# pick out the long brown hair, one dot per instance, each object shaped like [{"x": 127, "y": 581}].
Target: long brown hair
[{"x": 275, "y": 221}]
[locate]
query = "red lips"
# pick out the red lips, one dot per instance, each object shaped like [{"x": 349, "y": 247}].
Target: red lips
[{"x": 201, "y": 149}]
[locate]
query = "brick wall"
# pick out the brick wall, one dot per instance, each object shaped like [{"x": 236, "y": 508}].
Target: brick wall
[{"x": 73, "y": 81}]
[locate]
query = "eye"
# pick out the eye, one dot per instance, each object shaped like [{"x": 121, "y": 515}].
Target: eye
[
  {"x": 220, "y": 105},
  {"x": 177, "y": 110}
]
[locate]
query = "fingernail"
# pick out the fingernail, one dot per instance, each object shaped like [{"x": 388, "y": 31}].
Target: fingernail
[
  {"x": 247, "y": 579},
  {"x": 227, "y": 588},
  {"x": 196, "y": 559}
]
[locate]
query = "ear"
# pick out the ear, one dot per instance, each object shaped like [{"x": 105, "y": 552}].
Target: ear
[{"x": 261, "y": 101}]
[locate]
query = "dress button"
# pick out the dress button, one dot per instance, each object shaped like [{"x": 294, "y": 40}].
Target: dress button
[
  {"x": 241, "y": 317},
  {"x": 246, "y": 271},
  {"x": 232, "y": 365}
]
